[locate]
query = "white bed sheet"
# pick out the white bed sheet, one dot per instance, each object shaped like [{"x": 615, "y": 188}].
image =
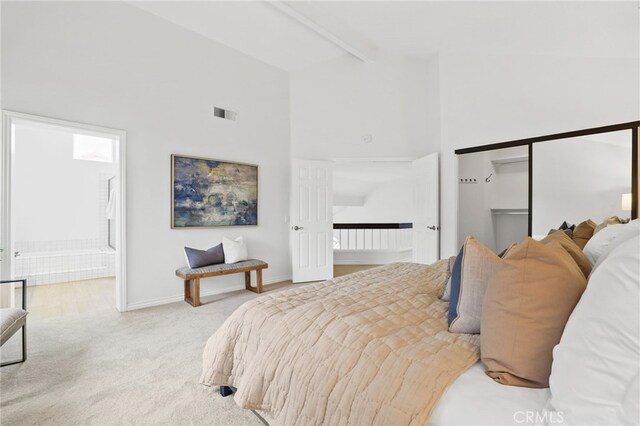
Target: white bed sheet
[{"x": 475, "y": 399}]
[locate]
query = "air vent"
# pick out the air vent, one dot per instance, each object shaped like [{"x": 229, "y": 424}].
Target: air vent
[{"x": 224, "y": 113}]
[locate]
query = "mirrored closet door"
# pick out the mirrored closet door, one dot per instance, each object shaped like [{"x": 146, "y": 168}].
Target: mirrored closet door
[
  {"x": 581, "y": 178},
  {"x": 509, "y": 190}
]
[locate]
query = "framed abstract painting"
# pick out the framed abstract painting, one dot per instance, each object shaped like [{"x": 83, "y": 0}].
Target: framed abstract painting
[{"x": 207, "y": 192}]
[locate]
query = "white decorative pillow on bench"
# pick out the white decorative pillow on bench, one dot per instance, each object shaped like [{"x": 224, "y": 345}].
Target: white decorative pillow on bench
[{"x": 234, "y": 250}]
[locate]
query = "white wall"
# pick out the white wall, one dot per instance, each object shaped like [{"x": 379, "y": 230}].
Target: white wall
[
  {"x": 113, "y": 65},
  {"x": 336, "y": 103},
  {"x": 390, "y": 202},
  {"x": 495, "y": 98},
  {"x": 157, "y": 81},
  {"x": 454, "y": 100},
  {"x": 578, "y": 179},
  {"x": 372, "y": 191},
  {"x": 54, "y": 196}
]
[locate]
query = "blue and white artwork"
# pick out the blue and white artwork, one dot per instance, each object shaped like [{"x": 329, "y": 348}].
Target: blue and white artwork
[{"x": 213, "y": 193}]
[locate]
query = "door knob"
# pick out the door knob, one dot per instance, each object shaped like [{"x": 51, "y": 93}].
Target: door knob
[
  {"x": 297, "y": 228},
  {"x": 434, "y": 228}
]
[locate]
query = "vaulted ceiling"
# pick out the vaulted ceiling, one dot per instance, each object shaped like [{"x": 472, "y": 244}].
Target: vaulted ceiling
[
  {"x": 254, "y": 28},
  {"x": 319, "y": 31}
]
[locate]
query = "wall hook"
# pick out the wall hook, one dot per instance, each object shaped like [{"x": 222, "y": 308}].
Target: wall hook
[{"x": 488, "y": 179}]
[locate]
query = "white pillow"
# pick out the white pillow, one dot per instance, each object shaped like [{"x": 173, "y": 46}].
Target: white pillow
[
  {"x": 626, "y": 233},
  {"x": 595, "y": 365},
  {"x": 234, "y": 250},
  {"x": 599, "y": 243}
]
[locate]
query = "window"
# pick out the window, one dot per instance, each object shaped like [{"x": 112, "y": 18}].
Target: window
[{"x": 92, "y": 148}]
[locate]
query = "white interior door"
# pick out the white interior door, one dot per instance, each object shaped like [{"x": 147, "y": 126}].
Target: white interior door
[
  {"x": 426, "y": 220},
  {"x": 311, "y": 220}
]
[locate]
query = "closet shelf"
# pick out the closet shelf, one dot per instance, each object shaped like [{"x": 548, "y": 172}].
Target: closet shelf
[
  {"x": 509, "y": 160},
  {"x": 510, "y": 211}
]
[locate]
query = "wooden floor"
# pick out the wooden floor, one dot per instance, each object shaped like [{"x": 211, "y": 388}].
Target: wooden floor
[
  {"x": 72, "y": 298},
  {"x": 340, "y": 270}
]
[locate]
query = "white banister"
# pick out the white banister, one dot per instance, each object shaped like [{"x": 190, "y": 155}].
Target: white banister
[{"x": 372, "y": 239}]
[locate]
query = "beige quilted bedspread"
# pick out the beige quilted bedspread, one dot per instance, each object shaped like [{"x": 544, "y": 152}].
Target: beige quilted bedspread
[{"x": 367, "y": 348}]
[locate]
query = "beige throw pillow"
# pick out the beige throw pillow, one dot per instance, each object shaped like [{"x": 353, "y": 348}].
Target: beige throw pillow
[
  {"x": 447, "y": 289},
  {"x": 470, "y": 276},
  {"x": 572, "y": 248},
  {"x": 583, "y": 233},
  {"x": 527, "y": 303}
]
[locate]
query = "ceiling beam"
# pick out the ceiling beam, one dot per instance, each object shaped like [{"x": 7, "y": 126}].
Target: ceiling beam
[{"x": 328, "y": 27}]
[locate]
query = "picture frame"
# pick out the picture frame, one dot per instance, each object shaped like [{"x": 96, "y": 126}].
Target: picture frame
[{"x": 208, "y": 193}]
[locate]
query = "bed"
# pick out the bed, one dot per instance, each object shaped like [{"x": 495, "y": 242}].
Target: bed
[
  {"x": 368, "y": 348},
  {"x": 374, "y": 348}
]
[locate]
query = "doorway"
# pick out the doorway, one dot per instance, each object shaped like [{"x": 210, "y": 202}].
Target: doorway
[
  {"x": 372, "y": 213},
  {"x": 352, "y": 214},
  {"x": 63, "y": 204}
]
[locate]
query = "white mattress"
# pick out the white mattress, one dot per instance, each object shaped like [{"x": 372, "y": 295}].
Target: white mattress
[{"x": 475, "y": 399}]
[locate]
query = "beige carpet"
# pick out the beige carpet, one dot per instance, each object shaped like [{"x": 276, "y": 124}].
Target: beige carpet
[
  {"x": 106, "y": 368},
  {"x": 140, "y": 367}
]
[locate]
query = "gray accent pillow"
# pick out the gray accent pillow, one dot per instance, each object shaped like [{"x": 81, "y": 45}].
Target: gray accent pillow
[{"x": 199, "y": 258}]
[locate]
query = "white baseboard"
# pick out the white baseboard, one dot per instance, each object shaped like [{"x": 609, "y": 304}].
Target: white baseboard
[
  {"x": 371, "y": 257},
  {"x": 218, "y": 290}
]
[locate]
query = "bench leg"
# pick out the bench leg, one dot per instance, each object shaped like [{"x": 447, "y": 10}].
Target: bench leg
[
  {"x": 187, "y": 291},
  {"x": 192, "y": 292},
  {"x": 247, "y": 281},
  {"x": 259, "y": 280}
]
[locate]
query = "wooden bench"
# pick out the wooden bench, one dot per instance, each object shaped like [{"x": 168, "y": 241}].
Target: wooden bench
[{"x": 192, "y": 277}]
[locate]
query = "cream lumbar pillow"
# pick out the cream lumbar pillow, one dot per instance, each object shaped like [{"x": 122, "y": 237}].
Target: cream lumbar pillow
[
  {"x": 469, "y": 279},
  {"x": 234, "y": 250},
  {"x": 528, "y": 301},
  {"x": 447, "y": 289}
]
